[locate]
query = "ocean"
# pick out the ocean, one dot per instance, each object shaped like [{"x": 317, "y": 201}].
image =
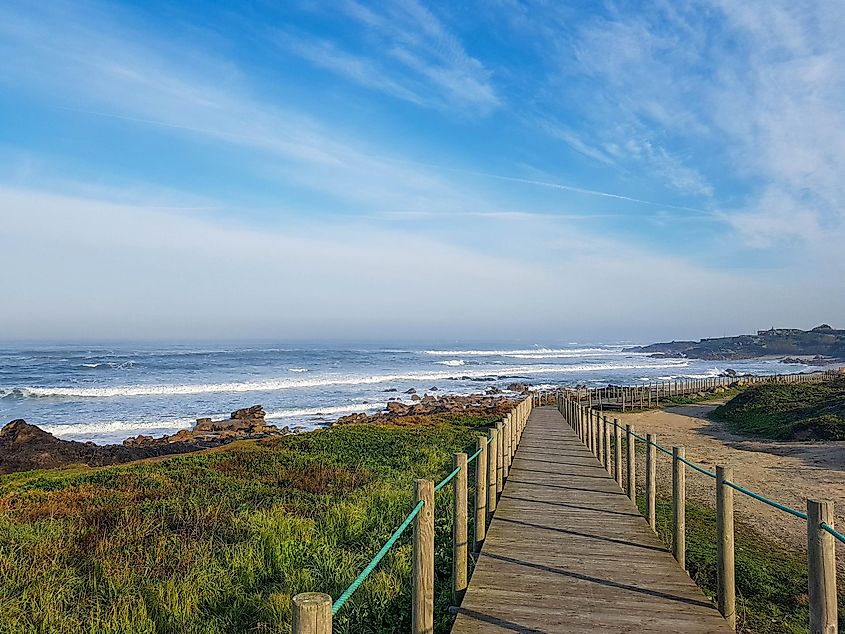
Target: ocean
[{"x": 108, "y": 393}]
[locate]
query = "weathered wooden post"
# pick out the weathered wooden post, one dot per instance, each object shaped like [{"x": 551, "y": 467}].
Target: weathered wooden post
[
  {"x": 480, "y": 492},
  {"x": 821, "y": 560},
  {"x": 312, "y": 613},
  {"x": 500, "y": 449},
  {"x": 491, "y": 471},
  {"x": 422, "y": 603},
  {"x": 679, "y": 504},
  {"x": 651, "y": 481},
  {"x": 632, "y": 463},
  {"x": 617, "y": 438},
  {"x": 726, "y": 579},
  {"x": 506, "y": 445},
  {"x": 608, "y": 467},
  {"x": 460, "y": 536}
]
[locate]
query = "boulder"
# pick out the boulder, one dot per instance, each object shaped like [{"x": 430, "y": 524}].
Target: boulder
[
  {"x": 395, "y": 407},
  {"x": 256, "y": 412}
]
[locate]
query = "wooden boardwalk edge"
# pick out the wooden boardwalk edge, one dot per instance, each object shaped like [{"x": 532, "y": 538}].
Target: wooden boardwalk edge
[{"x": 568, "y": 551}]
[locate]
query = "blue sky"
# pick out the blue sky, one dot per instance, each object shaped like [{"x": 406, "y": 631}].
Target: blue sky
[{"x": 400, "y": 169}]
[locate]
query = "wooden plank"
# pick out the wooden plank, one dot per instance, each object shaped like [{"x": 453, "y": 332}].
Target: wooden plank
[{"x": 567, "y": 551}]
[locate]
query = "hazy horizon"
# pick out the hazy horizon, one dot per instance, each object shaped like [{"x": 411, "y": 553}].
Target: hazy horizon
[{"x": 410, "y": 171}]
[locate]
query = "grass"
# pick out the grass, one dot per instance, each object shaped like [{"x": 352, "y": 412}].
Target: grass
[
  {"x": 220, "y": 541},
  {"x": 771, "y": 582},
  {"x": 798, "y": 411},
  {"x": 693, "y": 399}
]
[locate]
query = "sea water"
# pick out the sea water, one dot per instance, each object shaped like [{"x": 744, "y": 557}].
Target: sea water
[{"x": 108, "y": 393}]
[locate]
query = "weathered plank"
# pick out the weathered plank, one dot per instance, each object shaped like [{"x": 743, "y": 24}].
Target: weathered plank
[{"x": 567, "y": 551}]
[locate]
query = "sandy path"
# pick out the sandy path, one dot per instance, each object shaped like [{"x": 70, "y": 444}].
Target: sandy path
[{"x": 789, "y": 472}]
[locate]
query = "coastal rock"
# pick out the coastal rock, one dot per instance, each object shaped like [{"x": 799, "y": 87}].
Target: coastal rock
[
  {"x": 415, "y": 397},
  {"x": 518, "y": 387},
  {"x": 411, "y": 391},
  {"x": 256, "y": 412},
  {"x": 394, "y": 407}
]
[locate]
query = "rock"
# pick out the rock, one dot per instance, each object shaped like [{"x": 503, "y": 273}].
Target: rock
[
  {"x": 394, "y": 407},
  {"x": 433, "y": 388},
  {"x": 518, "y": 387},
  {"x": 256, "y": 412},
  {"x": 415, "y": 397},
  {"x": 411, "y": 391},
  {"x": 139, "y": 441},
  {"x": 391, "y": 389}
]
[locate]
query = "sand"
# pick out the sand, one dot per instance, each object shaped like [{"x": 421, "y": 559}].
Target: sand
[{"x": 789, "y": 472}]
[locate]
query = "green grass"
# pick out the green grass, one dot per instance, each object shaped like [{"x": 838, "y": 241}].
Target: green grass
[
  {"x": 220, "y": 541},
  {"x": 788, "y": 411},
  {"x": 771, "y": 582}
]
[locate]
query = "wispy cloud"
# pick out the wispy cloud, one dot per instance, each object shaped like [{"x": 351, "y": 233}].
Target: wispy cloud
[{"x": 406, "y": 51}]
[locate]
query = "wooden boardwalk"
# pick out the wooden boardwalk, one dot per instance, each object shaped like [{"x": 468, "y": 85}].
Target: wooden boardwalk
[{"x": 567, "y": 551}]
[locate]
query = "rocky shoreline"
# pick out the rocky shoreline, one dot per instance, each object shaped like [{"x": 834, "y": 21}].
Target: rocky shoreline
[{"x": 24, "y": 447}]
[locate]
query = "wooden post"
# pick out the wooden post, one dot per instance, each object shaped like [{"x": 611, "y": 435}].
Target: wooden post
[
  {"x": 679, "y": 504},
  {"x": 459, "y": 528},
  {"x": 500, "y": 442},
  {"x": 608, "y": 467},
  {"x": 506, "y": 445},
  {"x": 821, "y": 560},
  {"x": 632, "y": 463},
  {"x": 651, "y": 481},
  {"x": 617, "y": 438},
  {"x": 480, "y": 492},
  {"x": 491, "y": 471},
  {"x": 312, "y": 613},
  {"x": 422, "y": 602},
  {"x": 726, "y": 580}
]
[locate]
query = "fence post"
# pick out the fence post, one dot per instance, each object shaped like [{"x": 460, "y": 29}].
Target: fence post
[
  {"x": 617, "y": 437},
  {"x": 632, "y": 463},
  {"x": 821, "y": 559},
  {"x": 480, "y": 492},
  {"x": 506, "y": 445},
  {"x": 459, "y": 528},
  {"x": 312, "y": 613},
  {"x": 607, "y": 464},
  {"x": 491, "y": 471},
  {"x": 679, "y": 504},
  {"x": 725, "y": 544},
  {"x": 500, "y": 458},
  {"x": 651, "y": 481},
  {"x": 422, "y": 603}
]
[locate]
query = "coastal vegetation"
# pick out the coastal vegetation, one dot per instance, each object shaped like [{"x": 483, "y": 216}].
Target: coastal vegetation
[
  {"x": 219, "y": 541},
  {"x": 790, "y": 411}
]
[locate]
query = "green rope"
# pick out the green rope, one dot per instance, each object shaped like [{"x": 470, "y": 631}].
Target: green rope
[
  {"x": 475, "y": 455},
  {"x": 447, "y": 479},
  {"x": 765, "y": 500},
  {"x": 375, "y": 560},
  {"x": 827, "y": 527}
]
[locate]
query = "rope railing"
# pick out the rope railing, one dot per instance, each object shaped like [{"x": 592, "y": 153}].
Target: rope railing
[
  {"x": 313, "y": 612},
  {"x": 594, "y": 430}
]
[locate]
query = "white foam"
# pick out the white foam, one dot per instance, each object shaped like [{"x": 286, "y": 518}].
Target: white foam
[
  {"x": 273, "y": 385},
  {"x": 528, "y": 352},
  {"x": 297, "y": 369},
  {"x": 452, "y": 362},
  {"x": 326, "y": 411},
  {"x": 122, "y": 428}
]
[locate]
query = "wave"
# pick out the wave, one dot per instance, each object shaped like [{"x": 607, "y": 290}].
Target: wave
[
  {"x": 297, "y": 369},
  {"x": 528, "y": 352},
  {"x": 116, "y": 427},
  {"x": 452, "y": 362},
  {"x": 274, "y": 385},
  {"x": 326, "y": 411}
]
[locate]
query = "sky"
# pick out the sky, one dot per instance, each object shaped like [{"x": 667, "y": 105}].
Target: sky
[{"x": 501, "y": 170}]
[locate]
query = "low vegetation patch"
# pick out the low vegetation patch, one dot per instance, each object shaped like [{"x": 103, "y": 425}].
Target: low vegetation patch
[
  {"x": 220, "y": 541},
  {"x": 800, "y": 411},
  {"x": 705, "y": 397},
  {"x": 771, "y": 582}
]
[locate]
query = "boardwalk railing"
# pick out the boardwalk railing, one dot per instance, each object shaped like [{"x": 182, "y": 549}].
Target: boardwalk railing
[
  {"x": 648, "y": 395},
  {"x": 595, "y": 431},
  {"x": 313, "y": 612}
]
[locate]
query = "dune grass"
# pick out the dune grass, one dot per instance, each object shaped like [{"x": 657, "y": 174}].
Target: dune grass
[
  {"x": 219, "y": 541},
  {"x": 789, "y": 411}
]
